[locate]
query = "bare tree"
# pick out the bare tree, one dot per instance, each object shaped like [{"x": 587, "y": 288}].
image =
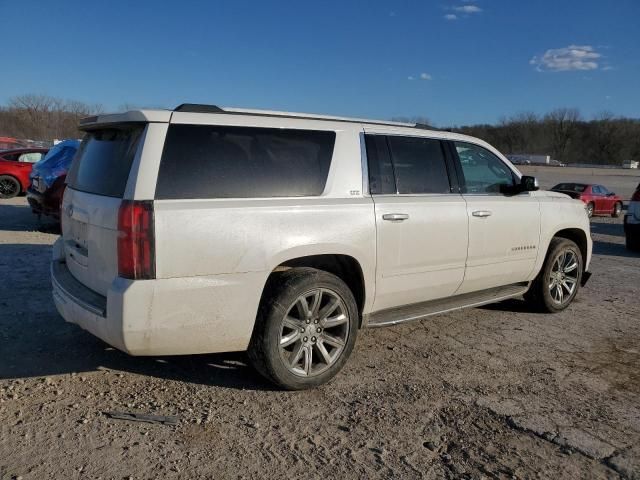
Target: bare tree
[
  {"x": 42, "y": 117},
  {"x": 561, "y": 125}
]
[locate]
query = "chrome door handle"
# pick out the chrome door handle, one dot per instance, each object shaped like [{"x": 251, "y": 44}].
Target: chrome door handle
[
  {"x": 395, "y": 217},
  {"x": 481, "y": 213}
]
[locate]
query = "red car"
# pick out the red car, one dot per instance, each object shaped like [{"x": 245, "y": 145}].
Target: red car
[
  {"x": 15, "y": 167},
  {"x": 599, "y": 200}
]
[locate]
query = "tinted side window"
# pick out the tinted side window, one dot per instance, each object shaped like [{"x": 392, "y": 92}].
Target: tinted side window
[
  {"x": 203, "y": 161},
  {"x": 381, "y": 178},
  {"x": 419, "y": 165},
  {"x": 483, "y": 171}
]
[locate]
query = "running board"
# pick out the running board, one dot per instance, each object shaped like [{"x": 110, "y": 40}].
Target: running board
[{"x": 418, "y": 311}]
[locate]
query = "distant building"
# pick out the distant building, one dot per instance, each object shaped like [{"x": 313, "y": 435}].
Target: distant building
[
  {"x": 524, "y": 159},
  {"x": 630, "y": 164}
]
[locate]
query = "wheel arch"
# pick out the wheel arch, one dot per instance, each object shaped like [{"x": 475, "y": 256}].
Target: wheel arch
[
  {"x": 579, "y": 237},
  {"x": 345, "y": 267}
]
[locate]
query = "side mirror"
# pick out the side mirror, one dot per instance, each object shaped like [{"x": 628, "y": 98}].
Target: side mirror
[{"x": 529, "y": 184}]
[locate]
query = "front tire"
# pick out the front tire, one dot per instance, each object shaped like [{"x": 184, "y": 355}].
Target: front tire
[
  {"x": 558, "y": 282},
  {"x": 9, "y": 186},
  {"x": 617, "y": 210},
  {"x": 305, "y": 330}
]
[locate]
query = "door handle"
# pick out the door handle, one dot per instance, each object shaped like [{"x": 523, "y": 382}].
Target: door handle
[
  {"x": 395, "y": 217},
  {"x": 482, "y": 213}
]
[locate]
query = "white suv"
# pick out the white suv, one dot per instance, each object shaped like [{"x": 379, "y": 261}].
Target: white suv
[
  {"x": 209, "y": 230},
  {"x": 632, "y": 222}
]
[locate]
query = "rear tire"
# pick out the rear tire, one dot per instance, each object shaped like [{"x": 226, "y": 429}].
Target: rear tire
[
  {"x": 305, "y": 329},
  {"x": 632, "y": 243},
  {"x": 9, "y": 186},
  {"x": 558, "y": 282},
  {"x": 617, "y": 210}
]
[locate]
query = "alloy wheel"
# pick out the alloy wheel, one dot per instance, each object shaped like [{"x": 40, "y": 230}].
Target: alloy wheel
[
  {"x": 8, "y": 188},
  {"x": 563, "y": 278},
  {"x": 314, "y": 332}
]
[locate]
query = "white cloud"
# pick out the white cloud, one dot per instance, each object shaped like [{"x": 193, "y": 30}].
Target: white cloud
[
  {"x": 410, "y": 77},
  {"x": 425, "y": 76},
  {"x": 573, "y": 57},
  {"x": 450, "y": 16},
  {"x": 468, "y": 9}
]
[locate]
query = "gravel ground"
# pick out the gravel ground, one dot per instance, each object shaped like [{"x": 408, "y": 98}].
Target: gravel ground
[{"x": 494, "y": 392}]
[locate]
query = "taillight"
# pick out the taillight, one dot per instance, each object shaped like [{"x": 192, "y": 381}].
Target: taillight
[
  {"x": 136, "y": 242},
  {"x": 636, "y": 196}
]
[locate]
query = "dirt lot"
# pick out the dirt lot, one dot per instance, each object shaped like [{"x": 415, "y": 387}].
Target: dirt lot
[{"x": 494, "y": 392}]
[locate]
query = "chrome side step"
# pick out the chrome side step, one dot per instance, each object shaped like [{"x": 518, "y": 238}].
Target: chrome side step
[{"x": 418, "y": 311}]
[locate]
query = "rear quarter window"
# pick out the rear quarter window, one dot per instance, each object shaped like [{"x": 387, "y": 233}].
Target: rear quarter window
[
  {"x": 103, "y": 162},
  {"x": 204, "y": 161}
]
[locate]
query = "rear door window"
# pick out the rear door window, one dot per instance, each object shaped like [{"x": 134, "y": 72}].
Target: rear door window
[
  {"x": 381, "y": 178},
  {"x": 419, "y": 165},
  {"x": 103, "y": 162},
  {"x": 204, "y": 161}
]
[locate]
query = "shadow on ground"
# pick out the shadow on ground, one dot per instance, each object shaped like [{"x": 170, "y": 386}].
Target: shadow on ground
[
  {"x": 612, "y": 229},
  {"x": 20, "y": 218},
  {"x": 613, "y": 249},
  {"x": 36, "y": 342}
]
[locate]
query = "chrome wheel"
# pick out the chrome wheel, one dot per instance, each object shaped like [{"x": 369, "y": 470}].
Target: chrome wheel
[
  {"x": 314, "y": 332},
  {"x": 563, "y": 278},
  {"x": 590, "y": 210}
]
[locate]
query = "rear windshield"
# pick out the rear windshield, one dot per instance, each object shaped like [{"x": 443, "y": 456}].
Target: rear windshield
[
  {"x": 203, "y": 161},
  {"x": 104, "y": 160}
]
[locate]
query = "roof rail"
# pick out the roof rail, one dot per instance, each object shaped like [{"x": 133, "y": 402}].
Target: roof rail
[
  {"x": 424, "y": 126},
  {"x": 198, "y": 108}
]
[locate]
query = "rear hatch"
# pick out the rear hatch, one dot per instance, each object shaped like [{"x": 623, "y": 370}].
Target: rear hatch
[{"x": 96, "y": 182}]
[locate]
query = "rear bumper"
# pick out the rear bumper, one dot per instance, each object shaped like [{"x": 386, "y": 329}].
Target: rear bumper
[
  {"x": 42, "y": 204},
  {"x": 175, "y": 316}
]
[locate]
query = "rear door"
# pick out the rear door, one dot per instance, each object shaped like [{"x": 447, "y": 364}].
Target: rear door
[
  {"x": 421, "y": 220},
  {"x": 504, "y": 230},
  {"x": 97, "y": 182}
]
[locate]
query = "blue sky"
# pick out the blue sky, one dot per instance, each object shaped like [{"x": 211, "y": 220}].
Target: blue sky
[{"x": 453, "y": 61}]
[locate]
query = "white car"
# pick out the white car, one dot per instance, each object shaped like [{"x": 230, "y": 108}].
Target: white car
[{"x": 206, "y": 230}]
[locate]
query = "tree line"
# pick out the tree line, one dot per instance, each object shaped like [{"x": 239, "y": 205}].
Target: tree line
[
  {"x": 565, "y": 136},
  {"x": 562, "y": 133},
  {"x": 43, "y": 118}
]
